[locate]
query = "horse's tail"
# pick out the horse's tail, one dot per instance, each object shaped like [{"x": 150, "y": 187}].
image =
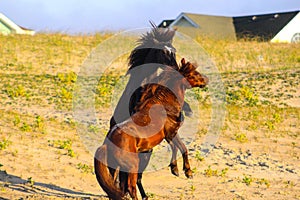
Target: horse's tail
[{"x": 103, "y": 175}]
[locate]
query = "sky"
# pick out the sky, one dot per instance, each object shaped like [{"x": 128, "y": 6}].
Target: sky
[{"x": 89, "y": 16}]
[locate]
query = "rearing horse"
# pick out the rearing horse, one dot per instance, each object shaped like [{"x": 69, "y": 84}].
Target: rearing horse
[
  {"x": 154, "y": 47},
  {"x": 155, "y": 119}
]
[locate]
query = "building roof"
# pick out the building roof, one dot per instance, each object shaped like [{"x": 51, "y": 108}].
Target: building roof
[
  {"x": 165, "y": 23},
  {"x": 8, "y": 26},
  {"x": 262, "y": 26},
  {"x": 219, "y": 26}
]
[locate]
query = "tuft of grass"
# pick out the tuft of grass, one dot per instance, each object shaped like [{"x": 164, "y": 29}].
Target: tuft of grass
[
  {"x": 71, "y": 153},
  {"x": 105, "y": 88},
  {"x": 67, "y": 78},
  {"x": 242, "y": 96},
  {"x": 210, "y": 172},
  {"x": 16, "y": 120},
  {"x": 16, "y": 91},
  {"x": 63, "y": 144},
  {"x": 60, "y": 144},
  {"x": 214, "y": 172},
  {"x": 4, "y": 144},
  {"x": 289, "y": 184},
  {"x": 39, "y": 122},
  {"x": 84, "y": 168},
  {"x": 193, "y": 188},
  {"x": 93, "y": 128},
  {"x": 150, "y": 195},
  {"x": 30, "y": 181},
  {"x": 199, "y": 157},
  {"x": 223, "y": 172},
  {"x": 247, "y": 179},
  {"x": 241, "y": 137},
  {"x": 25, "y": 127},
  {"x": 264, "y": 182}
]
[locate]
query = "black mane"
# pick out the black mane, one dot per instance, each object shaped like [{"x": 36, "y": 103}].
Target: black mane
[{"x": 152, "y": 49}]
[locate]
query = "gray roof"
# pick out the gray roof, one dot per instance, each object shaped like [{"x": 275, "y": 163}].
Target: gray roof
[{"x": 218, "y": 26}]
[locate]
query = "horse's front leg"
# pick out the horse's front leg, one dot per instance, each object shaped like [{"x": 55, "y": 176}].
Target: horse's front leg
[
  {"x": 186, "y": 165},
  {"x": 187, "y": 109}
]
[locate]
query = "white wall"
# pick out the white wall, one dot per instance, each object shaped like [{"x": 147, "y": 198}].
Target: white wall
[{"x": 286, "y": 34}]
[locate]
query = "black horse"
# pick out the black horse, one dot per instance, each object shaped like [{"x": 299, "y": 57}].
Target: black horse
[{"x": 154, "y": 47}]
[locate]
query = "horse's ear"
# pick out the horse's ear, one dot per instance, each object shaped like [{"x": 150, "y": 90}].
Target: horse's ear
[
  {"x": 153, "y": 24},
  {"x": 182, "y": 61}
]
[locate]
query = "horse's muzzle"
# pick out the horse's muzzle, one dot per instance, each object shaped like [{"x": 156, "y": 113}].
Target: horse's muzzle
[{"x": 204, "y": 81}]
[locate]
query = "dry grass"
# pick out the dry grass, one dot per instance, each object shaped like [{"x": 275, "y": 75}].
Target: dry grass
[{"x": 44, "y": 157}]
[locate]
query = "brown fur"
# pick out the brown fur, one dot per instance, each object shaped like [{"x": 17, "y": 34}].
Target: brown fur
[
  {"x": 105, "y": 180},
  {"x": 155, "y": 120}
]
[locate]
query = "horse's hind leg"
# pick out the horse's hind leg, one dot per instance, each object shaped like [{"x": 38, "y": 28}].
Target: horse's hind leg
[
  {"x": 186, "y": 165},
  {"x": 173, "y": 162},
  {"x": 140, "y": 186},
  {"x": 123, "y": 176},
  {"x": 130, "y": 164},
  {"x": 132, "y": 182},
  {"x": 144, "y": 158}
]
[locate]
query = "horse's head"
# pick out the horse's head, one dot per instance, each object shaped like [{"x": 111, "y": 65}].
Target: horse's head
[
  {"x": 190, "y": 73},
  {"x": 155, "y": 47}
]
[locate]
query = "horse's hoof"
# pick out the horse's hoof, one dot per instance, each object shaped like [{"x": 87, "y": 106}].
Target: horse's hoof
[
  {"x": 126, "y": 196},
  {"x": 189, "y": 174},
  {"x": 145, "y": 198},
  {"x": 188, "y": 113},
  {"x": 174, "y": 170}
]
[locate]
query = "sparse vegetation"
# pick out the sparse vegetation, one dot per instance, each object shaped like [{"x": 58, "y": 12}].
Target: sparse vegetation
[
  {"x": 214, "y": 172},
  {"x": 264, "y": 182},
  {"x": 84, "y": 168},
  {"x": 241, "y": 137},
  {"x": 198, "y": 156},
  {"x": 30, "y": 181},
  {"x": 15, "y": 91},
  {"x": 38, "y": 76},
  {"x": 63, "y": 144},
  {"x": 4, "y": 144},
  {"x": 25, "y": 127},
  {"x": 247, "y": 179}
]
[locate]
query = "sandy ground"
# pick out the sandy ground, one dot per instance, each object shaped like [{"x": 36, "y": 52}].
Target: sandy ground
[
  {"x": 266, "y": 166},
  {"x": 258, "y": 169}
]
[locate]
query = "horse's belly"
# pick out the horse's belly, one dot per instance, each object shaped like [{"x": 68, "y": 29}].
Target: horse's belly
[{"x": 145, "y": 144}]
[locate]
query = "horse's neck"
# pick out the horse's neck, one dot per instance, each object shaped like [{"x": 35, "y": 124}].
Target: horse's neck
[{"x": 177, "y": 86}]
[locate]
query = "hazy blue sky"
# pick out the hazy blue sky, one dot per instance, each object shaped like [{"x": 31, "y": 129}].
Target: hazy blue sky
[{"x": 96, "y": 15}]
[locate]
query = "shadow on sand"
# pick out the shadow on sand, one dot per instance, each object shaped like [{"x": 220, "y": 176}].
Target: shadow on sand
[{"x": 47, "y": 190}]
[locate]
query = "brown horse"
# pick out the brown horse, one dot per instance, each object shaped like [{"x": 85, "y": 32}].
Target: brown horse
[
  {"x": 155, "y": 50},
  {"x": 155, "y": 119}
]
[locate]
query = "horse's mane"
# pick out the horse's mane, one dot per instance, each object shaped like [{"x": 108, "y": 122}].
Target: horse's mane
[
  {"x": 170, "y": 74},
  {"x": 157, "y": 35},
  {"x": 155, "y": 40},
  {"x": 159, "y": 90}
]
